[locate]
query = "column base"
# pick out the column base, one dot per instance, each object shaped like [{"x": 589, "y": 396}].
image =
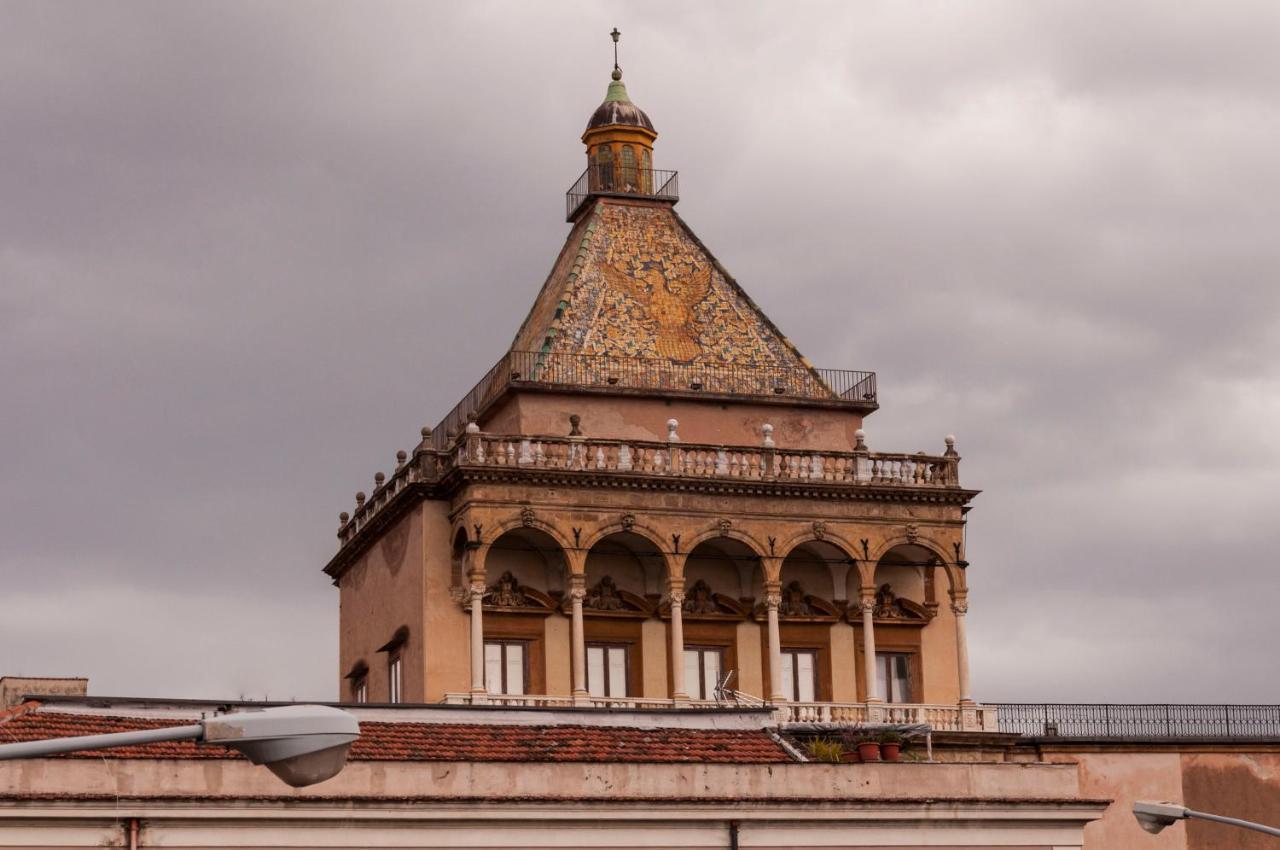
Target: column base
[
  {"x": 679, "y": 697},
  {"x": 582, "y": 698},
  {"x": 876, "y": 712},
  {"x": 479, "y": 697}
]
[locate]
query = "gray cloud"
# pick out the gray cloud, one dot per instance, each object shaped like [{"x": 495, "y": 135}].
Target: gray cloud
[{"x": 246, "y": 250}]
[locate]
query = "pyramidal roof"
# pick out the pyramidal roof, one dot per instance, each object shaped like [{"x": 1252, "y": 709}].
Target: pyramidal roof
[{"x": 633, "y": 281}]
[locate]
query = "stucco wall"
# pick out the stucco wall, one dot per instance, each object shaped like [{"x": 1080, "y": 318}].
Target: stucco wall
[
  {"x": 721, "y": 423},
  {"x": 382, "y": 592}
]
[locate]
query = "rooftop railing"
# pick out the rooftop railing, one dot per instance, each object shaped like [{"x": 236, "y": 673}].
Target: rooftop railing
[
  {"x": 1138, "y": 720},
  {"x": 670, "y": 459},
  {"x": 613, "y": 372},
  {"x": 616, "y": 179}
]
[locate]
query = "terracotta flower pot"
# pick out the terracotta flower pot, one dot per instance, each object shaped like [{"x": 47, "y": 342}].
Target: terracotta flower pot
[
  {"x": 850, "y": 757},
  {"x": 891, "y": 750},
  {"x": 869, "y": 751}
]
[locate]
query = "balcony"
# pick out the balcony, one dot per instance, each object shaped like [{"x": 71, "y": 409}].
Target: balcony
[
  {"x": 1144, "y": 721},
  {"x": 940, "y": 718},
  {"x": 616, "y": 180},
  {"x": 764, "y": 464},
  {"x": 605, "y": 373}
]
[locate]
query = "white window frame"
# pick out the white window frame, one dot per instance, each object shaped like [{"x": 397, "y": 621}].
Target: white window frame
[
  {"x": 791, "y": 684},
  {"x": 395, "y": 682},
  {"x": 614, "y": 686},
  {"x": 884, "y": 681},
  {"x": 504, "y": 687},
  {"x": 706, "y": 689}
]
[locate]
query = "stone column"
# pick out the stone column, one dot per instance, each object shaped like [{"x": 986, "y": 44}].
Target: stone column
[
  {"x": 675, "y": 593},
  {"x": 960, "y": 607},
  {"x": 577, "y": 638},
  {"x": 772, "y": 601},
  {"x": 478, "y": 690},
  {"x": 867, "y": 603}
]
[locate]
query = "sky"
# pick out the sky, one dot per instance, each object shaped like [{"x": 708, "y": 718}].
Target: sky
[{"x": 248, "y": 249}]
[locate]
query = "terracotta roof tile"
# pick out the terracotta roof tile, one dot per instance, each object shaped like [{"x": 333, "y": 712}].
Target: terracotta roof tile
[{"x": 445, "y": 741}]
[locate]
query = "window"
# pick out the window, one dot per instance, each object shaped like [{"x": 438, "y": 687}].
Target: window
[
  {"x": 799, "y": 675},
  {"x": 702, "y": 666},
  {"x": 607, "y": 670},
  {"x": 628, "y": 169},
  {"x": 394, "y": 667},
  {"x": 504, "y": 667},
  {"x": 603, "y": 175},
  {"x": 893, "y": 676},
  {"x": 360, "y": 689}
]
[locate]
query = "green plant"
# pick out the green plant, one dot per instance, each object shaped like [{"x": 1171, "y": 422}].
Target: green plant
[
  {"x": 891, "y": 736},
  {"x": 825, "y": 749},
  {"x": 851, "y": 738}
]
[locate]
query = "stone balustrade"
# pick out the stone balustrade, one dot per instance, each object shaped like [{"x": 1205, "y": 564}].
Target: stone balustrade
[
  {"x": 941, "y": 718},
  {"x": 707, "y": 461},
  {"x": 671, "y": 459}
]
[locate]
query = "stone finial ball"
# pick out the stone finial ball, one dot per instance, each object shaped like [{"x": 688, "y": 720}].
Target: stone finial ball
[
  {"x": 343, "y": 517},
  {"x": 401, "y": 456},
  {"x": 426, "y": 432},
  {"x": 473, "y": 427},
  {"x": 672, "y": 423},
  {"x": 617, "y": 74},
  {"x": 378, "y": 478},
  {"x": 860, "y": 434},
  {"x": 767, "y": 428},
  {"x": 360, "y": 497},
  {"x": 950, "y": 440}
]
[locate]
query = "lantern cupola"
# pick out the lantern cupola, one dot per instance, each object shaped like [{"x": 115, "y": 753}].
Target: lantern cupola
[{"x": 619, "y": 139}]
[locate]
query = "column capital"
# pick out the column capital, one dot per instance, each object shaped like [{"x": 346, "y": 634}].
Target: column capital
[
  {"x": 867, "y": 605},
  {"x": 773, "y": 595},
  {"x": 959, "y": 602}
]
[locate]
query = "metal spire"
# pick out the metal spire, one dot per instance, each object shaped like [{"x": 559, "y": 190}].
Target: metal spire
[{"x": 617, "y": 72}]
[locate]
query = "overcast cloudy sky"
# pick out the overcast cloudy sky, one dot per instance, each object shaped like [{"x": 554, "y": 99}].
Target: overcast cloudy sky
[{"x": 247, "y": 250}]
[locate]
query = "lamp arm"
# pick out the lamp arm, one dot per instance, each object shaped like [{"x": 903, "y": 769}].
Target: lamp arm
[
  {"x": 1269, "y": 830},
  {"x": 36, "y": 749}
]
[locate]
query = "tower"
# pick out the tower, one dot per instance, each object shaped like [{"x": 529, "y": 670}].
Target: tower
[{"x": 654, "y": 499}]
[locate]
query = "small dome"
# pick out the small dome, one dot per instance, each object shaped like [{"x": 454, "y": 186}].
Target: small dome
[{"x": 618, "y": 109}]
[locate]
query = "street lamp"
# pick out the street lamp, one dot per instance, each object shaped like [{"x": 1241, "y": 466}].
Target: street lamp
[
  {"x": 301, "y": 744},
  {"x": 1154, "y": 817}
]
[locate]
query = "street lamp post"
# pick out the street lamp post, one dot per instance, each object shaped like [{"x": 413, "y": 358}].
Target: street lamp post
[
  {"x": 1154, "y": 817},
  {"x": 301, "y": 744}
]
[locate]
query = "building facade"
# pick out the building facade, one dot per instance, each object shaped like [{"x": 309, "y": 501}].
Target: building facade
[{"x": 654, "y": 499}]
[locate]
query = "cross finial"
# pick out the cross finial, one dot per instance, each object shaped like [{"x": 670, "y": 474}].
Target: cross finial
[{"x": 617, "y": 72}]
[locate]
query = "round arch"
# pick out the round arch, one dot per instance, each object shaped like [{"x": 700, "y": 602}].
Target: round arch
[
  {"x": 534, "y": 557},
  {"x": 632, "y": 561},
  {"x": 630, "y": 526}
]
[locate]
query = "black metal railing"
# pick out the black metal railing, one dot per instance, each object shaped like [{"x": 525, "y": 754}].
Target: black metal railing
[
  {"x": 1138, "y": 720},
  {"x": 617, "y": 179},
  {"x": 614, "y": 372}
]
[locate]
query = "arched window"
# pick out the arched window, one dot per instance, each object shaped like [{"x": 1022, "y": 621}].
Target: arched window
[
  {"x": 629, "y": 180},
  {"x": 646, "y": 172},
  {"x": 601, "y": 178}
]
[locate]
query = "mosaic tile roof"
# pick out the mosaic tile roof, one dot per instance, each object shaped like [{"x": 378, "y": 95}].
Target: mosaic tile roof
[{"x": 634, "y": 282}]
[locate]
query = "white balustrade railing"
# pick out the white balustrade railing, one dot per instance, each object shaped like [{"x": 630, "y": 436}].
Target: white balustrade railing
[
  {"x": 943, "y": 718},
  {"x": 707, "y": 461},
  {"x": 671, "y": 459}
]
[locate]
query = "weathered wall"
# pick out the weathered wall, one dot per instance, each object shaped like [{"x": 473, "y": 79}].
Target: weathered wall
[
  {"x": 1239, "y": 785},
  {"x": 715, "y": 422},
  {"x": 447, "y": 627},
  {"x": 14, "y": 688},
  {"x": 1235, "y": 780},
  {"x": 377, "y": 596}
]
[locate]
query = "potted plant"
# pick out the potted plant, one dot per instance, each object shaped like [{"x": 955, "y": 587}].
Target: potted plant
[{"x": 891, "y": 745}]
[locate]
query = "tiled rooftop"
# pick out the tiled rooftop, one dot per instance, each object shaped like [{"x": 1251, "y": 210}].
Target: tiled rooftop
[{"x": 441, "y": 741}]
